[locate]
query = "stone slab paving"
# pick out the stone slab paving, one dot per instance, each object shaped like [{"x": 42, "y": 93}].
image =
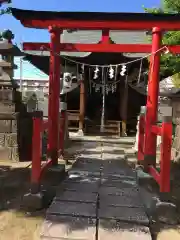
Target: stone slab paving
[
  {"x": 86, "y": 166},
  {"x": 84, "y": 187},
  {"x": 115, "y": 230},
  {"x": 121, "y": 201},
  {"x": 68, "y": 228},
  {"x": 77, "y": 209},
  {"x": 74, "y": 196},
  {"x": 111, "y": 190},
  {"x": 82, "y": 178},
  {"x": 119, "y": 182},
  {"x": 127, "y": 214},
  {"x": 99, "y": 200},
  {"x": 83, "y": 160},
  {"x": 115, "y": 172},
  {"x": 76, "y": 171}
]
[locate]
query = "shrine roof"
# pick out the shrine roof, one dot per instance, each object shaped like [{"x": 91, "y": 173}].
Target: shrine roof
[{"x": 21, "y": 14}]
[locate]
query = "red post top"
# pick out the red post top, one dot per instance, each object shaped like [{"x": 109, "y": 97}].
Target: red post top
[{"x": 156, "y": 30}]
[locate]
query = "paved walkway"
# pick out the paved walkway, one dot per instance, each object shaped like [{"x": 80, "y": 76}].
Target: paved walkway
[{"x": 100, "y": 199}]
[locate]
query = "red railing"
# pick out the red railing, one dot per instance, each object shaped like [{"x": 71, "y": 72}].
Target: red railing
[
  {"x": 38, "y": 168},
  {"x": 162, "y": 177}
]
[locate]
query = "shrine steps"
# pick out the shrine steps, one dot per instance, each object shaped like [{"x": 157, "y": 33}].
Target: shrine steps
[{"x": 112, "y": 128}]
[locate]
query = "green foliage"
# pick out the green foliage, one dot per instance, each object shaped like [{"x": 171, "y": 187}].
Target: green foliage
[
  {"x": 7, "y": 34},
  {"x": 176, "y": 80},
  {"x": 5, "y": 11},
  {"x": 153, "y": 10},
  {"x": 170, "y": 64},
  {"x": 171, "y": 6}
]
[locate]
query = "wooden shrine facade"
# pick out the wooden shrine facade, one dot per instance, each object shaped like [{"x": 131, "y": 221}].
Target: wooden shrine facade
[{"x": 56, "y": 22}]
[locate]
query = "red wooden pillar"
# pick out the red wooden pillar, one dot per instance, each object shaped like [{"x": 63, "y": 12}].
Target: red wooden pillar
[
  {"x": 166, "y": 154},
  {"x": 54, "y": 92},
  {"x": 152, "y": 99},
  {"x": 36, "y": 152}
]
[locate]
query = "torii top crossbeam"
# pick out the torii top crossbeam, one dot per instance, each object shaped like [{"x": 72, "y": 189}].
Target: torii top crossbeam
[{"x": 97, "y": 20}]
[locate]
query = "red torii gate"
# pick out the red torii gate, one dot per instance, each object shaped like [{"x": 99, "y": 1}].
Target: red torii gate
[{"x": 56, "y": 22}]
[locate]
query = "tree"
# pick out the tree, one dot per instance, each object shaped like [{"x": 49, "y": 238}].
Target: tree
[
  {"x": 7, "y": 34},
  {"x": 170, "y": 64},
  {"x": 6, "y": 10}
]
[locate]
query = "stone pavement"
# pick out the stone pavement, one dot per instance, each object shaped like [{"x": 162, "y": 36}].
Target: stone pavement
[{"x": 99, "y": 200}]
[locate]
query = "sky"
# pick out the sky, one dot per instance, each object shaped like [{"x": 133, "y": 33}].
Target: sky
[{"x": 33, "y": 35}]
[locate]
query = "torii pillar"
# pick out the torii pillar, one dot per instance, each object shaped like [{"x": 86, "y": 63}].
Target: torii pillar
[
  {"x": 152, "y": 99},
  {"x": 54, "y": 92}
]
